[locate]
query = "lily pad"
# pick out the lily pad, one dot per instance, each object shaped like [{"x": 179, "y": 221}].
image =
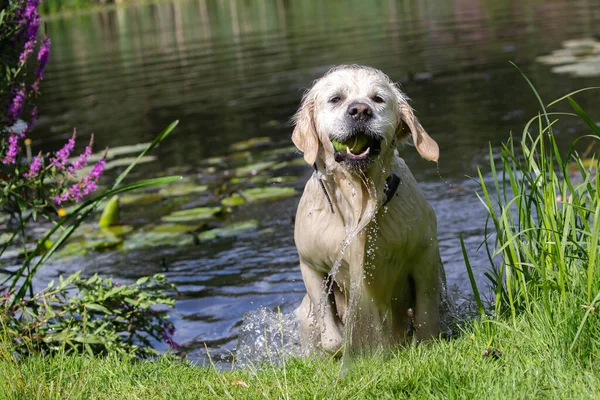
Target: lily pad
[
  {"x": 224, "y": 159},
  {"x": 283, "y": 179},
  {"x": 193, "y": 214},
  {"x": 580, "y": 58},
  {"x": 230, "y": 230},
  {"x": 118, "y": 230},
  {"x": 278, "y": 152},
  {"x": 103, "y": 240},
  {"x": 140, "y": 199},
  {"x": 145, "y": 239},
  {"x": 269, "y": 193},
  {"x": 554, "y": 59},
  {"x": 125, "y": 162},
  {"x": 578, "y": 43},
  {"x": 579, "y": 69},
  {"x": 290, "y": 163},
  {"x": 182, "y": 189},
  {"x": 250, "y": 143},
  {"x": 253, "y": 169},
  {"x": 233, "y": 200},
  {"x": 130, "y": 149},
  {"x": 176, "y": 228}
]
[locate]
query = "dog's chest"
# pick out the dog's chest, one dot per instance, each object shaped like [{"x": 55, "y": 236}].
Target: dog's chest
[{"x": 398, "y": 232}]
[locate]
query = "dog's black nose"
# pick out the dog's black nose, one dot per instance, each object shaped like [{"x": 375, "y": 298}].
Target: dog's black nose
[{"x": 360, "y": 111}]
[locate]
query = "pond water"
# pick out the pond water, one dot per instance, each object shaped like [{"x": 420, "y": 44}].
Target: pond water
[{"x": 231, "y": 70}]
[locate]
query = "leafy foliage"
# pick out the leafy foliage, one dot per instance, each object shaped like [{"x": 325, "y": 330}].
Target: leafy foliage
[{"x": 94, "y": 315}]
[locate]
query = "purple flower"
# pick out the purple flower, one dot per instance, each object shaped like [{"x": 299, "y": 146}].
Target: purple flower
[
  {"x": 61, "y": 197},
  {"x": 13, "y": 149},
  {"x": 168, "y": 340},
  {"x": 30, "y": 19},
  {"x": 33, "y": 116},
  {"x": 83, "y": 157},
  {"x": 27, "y": 50},
  {"x": 86, "y": 186},
  {"x": 97, "y": 170},
  {"x": 34, "y": 168},
  {"x": 89, "y": 183},
  {"x": 33, "y": 119},
  {"x": 42, "y": 61},
  {"x": 16, "y": 106},
  {"x": 60, "y": 158},
  {"x": 75, "y": 193}
]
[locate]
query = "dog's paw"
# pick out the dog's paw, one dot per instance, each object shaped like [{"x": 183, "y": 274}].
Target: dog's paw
[{"x": 331, "y": 343}]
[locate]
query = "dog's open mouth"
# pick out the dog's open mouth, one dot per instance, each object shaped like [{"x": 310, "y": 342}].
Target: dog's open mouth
[{"x": 357, "y": 149}]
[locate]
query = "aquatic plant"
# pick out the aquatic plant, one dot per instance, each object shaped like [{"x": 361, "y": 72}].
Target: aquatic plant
[
  {"x": 543, "y": 226},
  {"x": 94, "y": 315}
]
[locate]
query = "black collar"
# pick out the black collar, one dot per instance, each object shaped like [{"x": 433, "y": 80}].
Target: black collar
[{"x": 391, "y": 185}]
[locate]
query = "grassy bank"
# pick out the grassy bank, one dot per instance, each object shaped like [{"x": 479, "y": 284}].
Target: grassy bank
[{"x": 489, "y": 360}]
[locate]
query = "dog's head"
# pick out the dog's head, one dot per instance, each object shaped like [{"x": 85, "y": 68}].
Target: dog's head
[{"x": 355, "y": 114}]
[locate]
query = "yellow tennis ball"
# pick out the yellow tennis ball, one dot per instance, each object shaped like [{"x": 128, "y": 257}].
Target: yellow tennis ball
[
  {"x": 339, "y": 146},
  {"x": 360, "y": 143}
]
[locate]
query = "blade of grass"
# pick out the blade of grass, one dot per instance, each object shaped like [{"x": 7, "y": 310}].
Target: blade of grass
[{"x": 478, "y": 301}]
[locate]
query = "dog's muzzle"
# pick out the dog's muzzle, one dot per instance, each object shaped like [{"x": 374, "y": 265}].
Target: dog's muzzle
[{"x": 358, "y": 149}]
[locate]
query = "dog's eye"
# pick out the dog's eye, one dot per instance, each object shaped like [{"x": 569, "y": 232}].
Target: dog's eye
[
  {"x": 378, "y": 99},
  {"x": 335, "y": 99}
]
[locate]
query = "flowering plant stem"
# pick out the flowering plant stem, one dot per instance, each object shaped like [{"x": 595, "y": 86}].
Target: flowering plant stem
[{"x": 76, "y": 217}]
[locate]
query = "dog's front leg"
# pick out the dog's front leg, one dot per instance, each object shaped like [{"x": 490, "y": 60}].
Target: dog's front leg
[
  {"x": 427, "y": 314},
  {"x": 329, "y": 325}
]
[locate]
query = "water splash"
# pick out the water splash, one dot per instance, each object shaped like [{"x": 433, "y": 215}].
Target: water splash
[{"x": 268, "y": 337}]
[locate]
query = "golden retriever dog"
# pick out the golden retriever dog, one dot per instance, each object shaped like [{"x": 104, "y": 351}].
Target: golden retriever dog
[{"x": 366, "y": 236}]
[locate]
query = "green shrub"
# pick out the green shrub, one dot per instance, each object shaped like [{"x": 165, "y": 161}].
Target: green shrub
[{"x": 94, "y": 315}]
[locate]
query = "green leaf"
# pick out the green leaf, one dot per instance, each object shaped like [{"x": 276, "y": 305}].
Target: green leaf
[
  {"x": 98, "y": 307},
  {"x": 110, "y": 214},
  {"x": 595, "y": 128}
]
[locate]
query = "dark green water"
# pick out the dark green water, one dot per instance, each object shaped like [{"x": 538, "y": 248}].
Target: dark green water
[{"x": 230, "y": 70}]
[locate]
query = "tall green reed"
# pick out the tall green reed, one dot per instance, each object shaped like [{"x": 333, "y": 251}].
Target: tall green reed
[{"x": 543, "y": 222}]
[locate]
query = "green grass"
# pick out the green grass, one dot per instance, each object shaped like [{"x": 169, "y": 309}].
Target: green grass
[{"x": 530, "y": 360}]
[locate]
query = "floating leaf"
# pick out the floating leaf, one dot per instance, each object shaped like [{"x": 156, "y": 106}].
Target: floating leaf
[
  {"x": 140, "y": 199},
  {"x": 118, "y": 230},
  {"x": 229, "y": 230},
  {"x": 268, "y": 193},
  {"x": 583, "y": 69},
  {"x": 141, "y": 239},
  {"x": 224, "y": 159},
  {"x": 283, "y": 179},
  {"x": 554, "y": 59},
  {"x": 580, "y": 57},
  {"x": 253, "y": 169},
  {"x": 250, "y": 143},
  {"x": 279, "y": 151},
  {"x": 176, "y": 228},
  {"x": 233, "y": 200},
  {"x": 193, "y": 214},
  {"x": 182, "y": 189},
  {"x": 125, "y": 162}
]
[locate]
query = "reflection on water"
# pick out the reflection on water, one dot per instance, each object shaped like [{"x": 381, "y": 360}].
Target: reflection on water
[{"x": 230, "y": 70}]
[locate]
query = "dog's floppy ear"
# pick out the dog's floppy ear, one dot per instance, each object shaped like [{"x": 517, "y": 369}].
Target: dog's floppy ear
[
  {"x": 426, "y": 146},
  {"x": 305, "y": 134}
]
